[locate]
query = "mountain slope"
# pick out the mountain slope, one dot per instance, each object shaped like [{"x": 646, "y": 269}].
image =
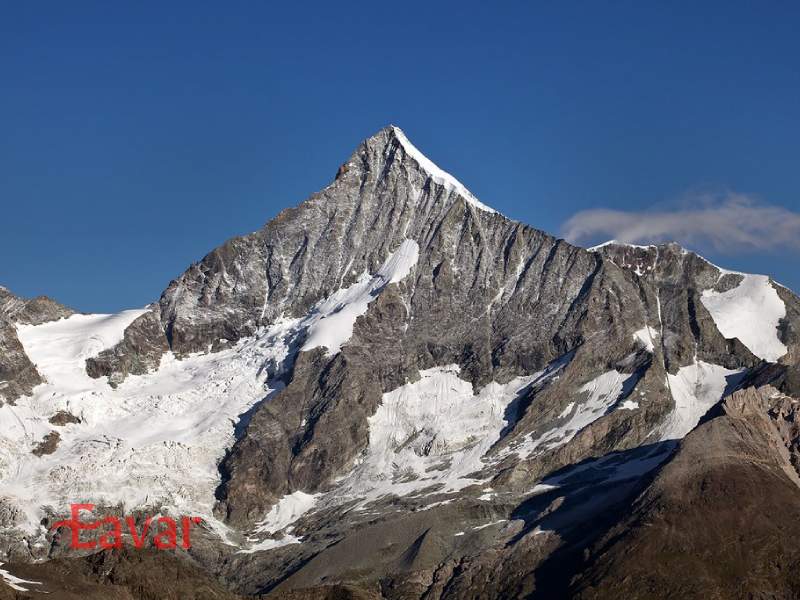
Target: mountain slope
[{"x": 723, "y": 513}]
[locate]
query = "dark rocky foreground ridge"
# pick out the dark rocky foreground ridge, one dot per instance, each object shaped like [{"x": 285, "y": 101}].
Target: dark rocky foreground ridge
[
  {"x": 723, "y": 513},
  {"x": 587, "y": 489}
]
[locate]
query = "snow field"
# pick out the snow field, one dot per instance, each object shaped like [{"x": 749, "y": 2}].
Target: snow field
[{"x": 751, "y": 312}]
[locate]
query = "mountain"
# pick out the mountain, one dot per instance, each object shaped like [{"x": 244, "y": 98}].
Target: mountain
[{"x": 394, "y": 391}]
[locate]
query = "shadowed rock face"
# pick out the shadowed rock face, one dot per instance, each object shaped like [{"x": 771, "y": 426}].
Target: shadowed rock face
[
  {"x": 602, "y": 336},
  {"x": 720, "y": 520}
]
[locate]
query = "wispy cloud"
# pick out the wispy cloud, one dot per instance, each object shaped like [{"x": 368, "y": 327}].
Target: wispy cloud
[{"x": 730, "y": 223}]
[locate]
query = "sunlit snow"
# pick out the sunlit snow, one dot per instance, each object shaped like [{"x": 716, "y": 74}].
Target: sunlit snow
[
  {"x": 751, "y": 312},
  {"x": 286, "y": 511},
  {"x": 602, "y": 393},
  {"x": 334, "y": 317},
  {"x": 155, "y": 440},
  {"x": 429, "y": 435},
  {"x": 695, "y": 389},
  {"x": 646, "y": 337},
  {"x": 431, "y": 432},
  {"x": 438, "y": 175}
]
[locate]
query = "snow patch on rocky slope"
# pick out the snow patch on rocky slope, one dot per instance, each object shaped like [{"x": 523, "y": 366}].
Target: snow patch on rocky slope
[
  {"x": 646, "y": 337},
  {"x": 280, "y": 517},
  {"x": 288, "y": 509},
  {"x": 695, "y": 389},
  {"x": 334, "y": 317},
  {"x": 600, "y": 395},
  {"x": 430, "y": 435},
  {"x": 752, "y": 312},
  {"x": 15, "y": 582},
  {"x": 431, "y": 432}
]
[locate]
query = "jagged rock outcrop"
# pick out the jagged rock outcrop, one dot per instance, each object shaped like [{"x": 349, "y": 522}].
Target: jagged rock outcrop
[
  {"x": 18, "y": 375},
  {"x": 496, "y": 297},
  {"x": 30, "y": 312},
  {"x": 139, "y": 352},
  {"x": 672, "y": 280}
]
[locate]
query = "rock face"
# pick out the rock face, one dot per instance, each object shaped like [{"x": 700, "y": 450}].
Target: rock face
[
  {"x": 18, "y": 375},
  {"x": 678, "y": 279},
  {"x": 139, "y": 352},
  {"x": 381, "y": 197},
  {"x": 48, "y": 444},
  {"x": 30, "y": 312},
  {"x": 425, "y": 399}
]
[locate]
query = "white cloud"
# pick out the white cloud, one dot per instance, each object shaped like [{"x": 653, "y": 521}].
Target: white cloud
[{"x": 730, "y": 223}]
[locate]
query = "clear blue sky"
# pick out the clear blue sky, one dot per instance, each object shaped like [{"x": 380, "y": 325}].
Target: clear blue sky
[{"x": 134, "y": 139}]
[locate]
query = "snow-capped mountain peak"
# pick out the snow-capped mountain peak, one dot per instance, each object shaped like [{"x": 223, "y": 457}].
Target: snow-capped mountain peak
[{"x": 438, "y": 175}]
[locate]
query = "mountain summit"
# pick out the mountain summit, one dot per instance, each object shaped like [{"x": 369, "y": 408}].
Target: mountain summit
[
  {"x": 393, "y": 391},
  {"x": 434, "y": 172}
]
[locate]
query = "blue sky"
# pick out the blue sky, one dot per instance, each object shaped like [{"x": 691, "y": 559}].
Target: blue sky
[{"x": 136, "y": 138}]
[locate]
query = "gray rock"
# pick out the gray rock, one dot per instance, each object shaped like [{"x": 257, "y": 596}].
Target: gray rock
[
  {"x": 48, "y": 444},
  {"x": 63, "y": 417},
  {"x": 139, "y": 352}
]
